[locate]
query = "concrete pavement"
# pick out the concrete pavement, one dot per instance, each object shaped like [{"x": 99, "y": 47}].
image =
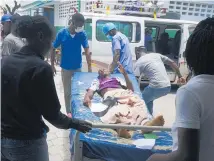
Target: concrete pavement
[{"x": 58, "y": 140}]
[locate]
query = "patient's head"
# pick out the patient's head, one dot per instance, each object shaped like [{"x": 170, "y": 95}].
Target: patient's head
[{"x": 103, "y": 73}]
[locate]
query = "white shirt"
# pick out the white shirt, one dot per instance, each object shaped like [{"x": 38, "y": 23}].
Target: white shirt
[
  {"x": 152, "y": 66},
  {"x": 195, "y": 110},
  {"x": 12, "y": 44}
]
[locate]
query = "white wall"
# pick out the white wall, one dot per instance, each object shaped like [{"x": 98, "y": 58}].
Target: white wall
[
  {"x": 192, "y": 10},
  {"x": 58, "y": 21},
  {"x": 192, "y": 18}
]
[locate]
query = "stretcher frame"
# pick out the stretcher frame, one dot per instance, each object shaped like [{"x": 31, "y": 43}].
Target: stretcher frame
[{"x": 78, "y": 145}]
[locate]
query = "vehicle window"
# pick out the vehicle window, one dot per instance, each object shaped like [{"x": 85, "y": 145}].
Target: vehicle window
[
  {"x": 171, "y": 32},
  {"x": 58, "y": 28},
  {"x": 154, "y": 31},
  {"x": 138, "y": 32},
  {"x": 124, "y": 27},
  {"x": 152, "y": 35},
  {"x": 191, "y": 29},
  {"x": 88, "y": 28}
]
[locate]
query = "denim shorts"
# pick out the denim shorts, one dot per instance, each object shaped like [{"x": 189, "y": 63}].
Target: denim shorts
[{"x": 24, "y": 150}]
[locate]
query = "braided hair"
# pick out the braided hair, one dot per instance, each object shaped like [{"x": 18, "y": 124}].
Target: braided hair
[{"x": 200, "y": 48}]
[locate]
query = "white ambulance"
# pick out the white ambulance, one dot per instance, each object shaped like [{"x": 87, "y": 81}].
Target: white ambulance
[{"x": 134, "y": 28}]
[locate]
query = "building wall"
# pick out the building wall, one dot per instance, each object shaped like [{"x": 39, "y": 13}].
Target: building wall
[
  {"x": 193, "y": 10},
  {"x": 89, "y": 6},
  {"x": 61, "y": 10}
]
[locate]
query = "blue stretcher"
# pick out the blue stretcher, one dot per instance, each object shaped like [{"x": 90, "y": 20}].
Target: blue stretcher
[{"x": 104, "y": 144}]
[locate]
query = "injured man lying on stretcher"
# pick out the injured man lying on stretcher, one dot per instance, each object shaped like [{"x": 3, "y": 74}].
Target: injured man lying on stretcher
[{"x": 124, "y": 106}]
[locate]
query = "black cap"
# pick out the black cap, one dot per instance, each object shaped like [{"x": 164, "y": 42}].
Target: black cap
[{"x": 78, "y": 17}]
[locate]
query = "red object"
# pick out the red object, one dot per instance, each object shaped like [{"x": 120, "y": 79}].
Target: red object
[
  {"x": 163, "y": 10},
  {"x": 98, "y": 4},
  {"x": 75, "y": 10}
]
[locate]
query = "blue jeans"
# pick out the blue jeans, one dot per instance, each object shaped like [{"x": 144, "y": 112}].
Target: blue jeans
[
  {"x": 24, "y": 150},
  {"x": 150, "y": 94}
]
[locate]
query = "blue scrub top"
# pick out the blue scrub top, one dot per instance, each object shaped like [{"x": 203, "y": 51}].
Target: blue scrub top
[
  {"x": 71, "y": 51},
  {"x": 148, "y": 39},
  {"x": 121, "y": 42}
]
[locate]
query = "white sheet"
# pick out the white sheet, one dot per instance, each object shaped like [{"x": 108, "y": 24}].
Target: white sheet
[
  {"x": 98, "y": 107},
  {"x": 144, "y": 143}
]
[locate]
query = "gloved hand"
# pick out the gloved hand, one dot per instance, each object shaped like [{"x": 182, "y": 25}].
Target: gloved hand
[{"x": 81, "y": 125}]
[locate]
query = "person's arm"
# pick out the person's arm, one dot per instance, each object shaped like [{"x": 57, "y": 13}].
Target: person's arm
[
  {"x": 44, "y": 96},
  {"x": 87, "y": 51},
  {"x": 116, "y": 58},
  {"x": 174, "y": 66},
  {"x": 53, "y": 56},
  {"x": 90, "y": 93},
  {"x": 188, "y": 125},
  {"x": 7, "y": 48},
  {"x": 116, "y": 49},
  {"x": 88, "y": 97},
  {"x": 188, "y": 147},
  {"x": 137, "y": 71},
  {"x": 128, "y": 82},
  {"x": 55, "y": 45},
  {"x": 88, "y": 59}
]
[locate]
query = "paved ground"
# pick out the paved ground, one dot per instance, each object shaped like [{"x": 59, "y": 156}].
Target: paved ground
[{"x": 58, "y": 140}]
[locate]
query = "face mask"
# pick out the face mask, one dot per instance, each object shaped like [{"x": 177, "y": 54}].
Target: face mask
[
  {"x": 79, "y": 29},
  {"x": 109, "y": 37}
]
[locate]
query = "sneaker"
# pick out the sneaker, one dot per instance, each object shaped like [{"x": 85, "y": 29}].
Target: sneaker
[{"x": 69, "y": 115}]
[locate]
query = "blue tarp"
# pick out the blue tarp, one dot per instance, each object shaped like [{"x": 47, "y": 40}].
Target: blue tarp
[{"x": 104, "y": 143}]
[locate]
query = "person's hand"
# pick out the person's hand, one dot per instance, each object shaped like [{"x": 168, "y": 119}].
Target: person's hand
[
  {"x": 81, "y": 125},
  {"x": 87, "y": 102},
  {"x": 54, "y": 69},
  {"x": 121, "y": 69},
  {"x": 181, "y": 80}
]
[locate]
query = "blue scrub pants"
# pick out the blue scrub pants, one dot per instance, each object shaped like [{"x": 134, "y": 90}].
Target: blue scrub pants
[{"x": 150, "y": 94}]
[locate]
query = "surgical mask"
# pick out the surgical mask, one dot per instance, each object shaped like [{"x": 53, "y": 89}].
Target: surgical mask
[
  {"x": 79, "y": 29},
  {"x": 110, "y": 37}
]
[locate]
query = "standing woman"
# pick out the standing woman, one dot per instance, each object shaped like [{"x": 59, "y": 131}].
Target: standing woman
[
  {"x": 28, "y": 93},
  {"x": 193, "y": 129}
]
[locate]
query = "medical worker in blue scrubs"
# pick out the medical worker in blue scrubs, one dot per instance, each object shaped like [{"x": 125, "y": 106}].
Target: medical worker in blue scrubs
[
  {"x": 120, "y": 48},
  {"x": 71, "y": 40},
  {"x": 6, "y": 25}
]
